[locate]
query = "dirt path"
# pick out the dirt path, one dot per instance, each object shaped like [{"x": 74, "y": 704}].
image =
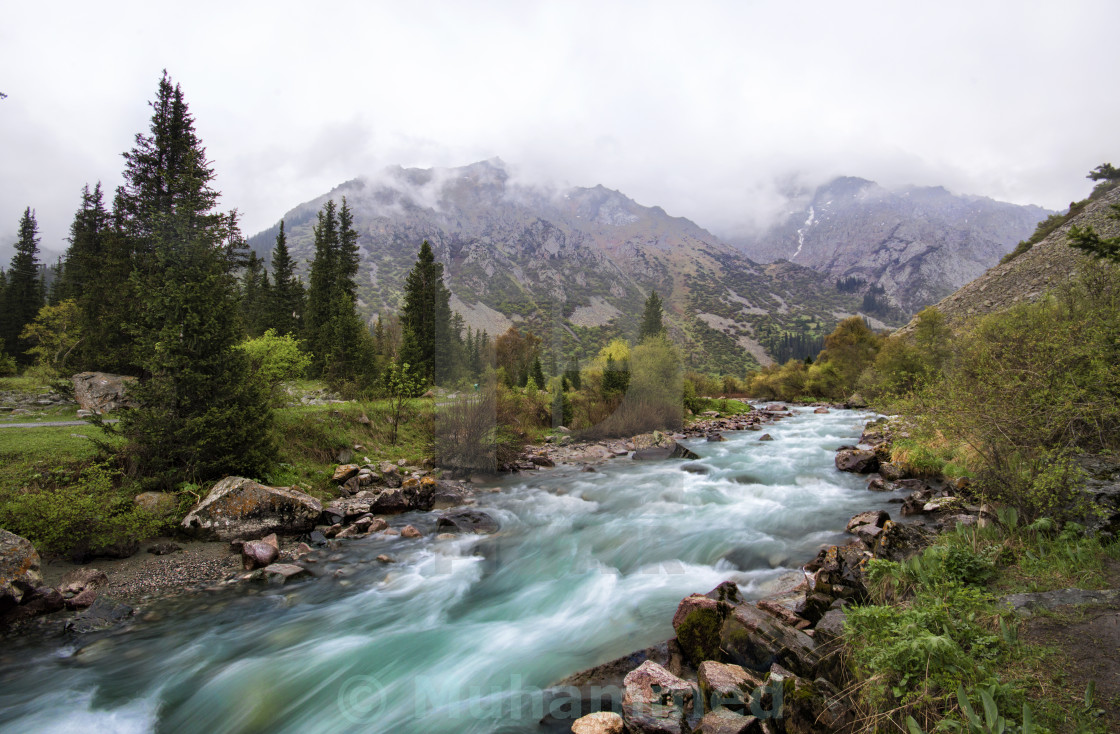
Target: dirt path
[
  {"x": 49, "y": 424},
  {"x": 1088, "y": 641}
]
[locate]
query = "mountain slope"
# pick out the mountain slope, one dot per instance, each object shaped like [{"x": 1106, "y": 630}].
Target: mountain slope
[
  {"x": 918, "y": 244},
  {"x": 574, "y": 265},
  {"x": 1030, "y": 275}
]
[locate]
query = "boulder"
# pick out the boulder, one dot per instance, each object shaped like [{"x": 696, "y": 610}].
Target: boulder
[
  {"x": 814, "y": 707},
  {"x": 19, "y": 569},
  {"x": 258, "y": 554},
  {"x": 754, "y": 639},
  {"x": 891, "y": 472},
  {"x": 160, "y": 504},
  {"x": 101, "y": 392},
  {"x": 36, "y": 601},
  {"x": 838, "y": 571},
  {"x": 766, "y": 437},
  {"x": 715, "y": 437},
  {"x": 878, "y": 518},
  {"x": 79, "y": 588},
  {"x": 654, "y": 701},
  {"x": 282, "y": 573},
  {"x": 345, "y": 472},
  {"x": 449, "y": 494},
  {"x": 467, "y": 521},
  {"x": 241, "y": 508},
  {"x": 725, "y": 721},
  {"x": 603, "y": 722},
  {"x": 857, "y": 461},
  {"x": 409, "y": 531},
  {"x": 830, "y": 627},
  {"x": 899, "y": 542},
  {"x": 1024, "y": 605},
  {"x": 726, "y": 686},
  {"x": 104, "y": 613},
  {"x": 822, "y": 411},
  {"x": 672, "y": 451}
]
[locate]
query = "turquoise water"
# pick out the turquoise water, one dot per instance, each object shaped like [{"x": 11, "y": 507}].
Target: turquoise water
[{"x": 461, "y": 635}]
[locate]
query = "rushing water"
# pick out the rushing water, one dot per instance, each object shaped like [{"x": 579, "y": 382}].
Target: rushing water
[{"x": 459, "y": 635}]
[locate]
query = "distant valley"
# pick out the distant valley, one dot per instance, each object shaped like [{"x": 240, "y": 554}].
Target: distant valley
[{"x": 575, "y": 265}]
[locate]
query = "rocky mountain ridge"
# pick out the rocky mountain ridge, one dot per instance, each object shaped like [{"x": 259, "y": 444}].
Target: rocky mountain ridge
[
  {"x": 575, "y": 265},
  {"x": 918, "y": 243},
  {"x": 1030, "y": 275}
]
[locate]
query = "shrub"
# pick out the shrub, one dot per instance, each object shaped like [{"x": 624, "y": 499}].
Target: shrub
[
  {"x": 274, "y": 360},
  {"x": 87, "y": 517}
]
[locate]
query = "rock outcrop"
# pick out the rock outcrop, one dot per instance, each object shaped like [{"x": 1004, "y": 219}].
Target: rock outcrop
[
  {"x": 101, "y": 392},
  {"x": 239, "y": 508},
  {"x": 19, "y": 570}
]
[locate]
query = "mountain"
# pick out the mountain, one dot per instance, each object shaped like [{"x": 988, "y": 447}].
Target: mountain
[
  {"x": 574, "y": 265},
  {"x": 1031, "y": 274},
  {"x": 917, "y": 244}
]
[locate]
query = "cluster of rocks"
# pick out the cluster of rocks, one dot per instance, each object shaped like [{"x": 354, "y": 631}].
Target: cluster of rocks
[
  {"x": 251, "y": 516},
  {"x": 23, "y": 594},
  {"x": 774, "y": 665},
  {"x": 14, "y": 402}
]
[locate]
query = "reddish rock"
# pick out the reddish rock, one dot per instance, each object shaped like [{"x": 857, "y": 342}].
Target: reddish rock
[{"x": 408, "y": 531}]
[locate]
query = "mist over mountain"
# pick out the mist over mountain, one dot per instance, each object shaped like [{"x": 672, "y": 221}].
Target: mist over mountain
[
  {"x": 574, "y": 265},
  {"x": 917, "y": 243}
]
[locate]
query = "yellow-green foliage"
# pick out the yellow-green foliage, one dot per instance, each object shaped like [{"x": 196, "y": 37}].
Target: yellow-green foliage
[
  {"x": 849, "y": 351},
  {"x": 275, "y": 360},
  {"x": 653, "y": 397},
  {"x": 1025, "y": 389}
]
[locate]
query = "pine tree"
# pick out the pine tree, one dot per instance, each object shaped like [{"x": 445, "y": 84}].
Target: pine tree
[
  {"x": 536, "y": 374},
  {"x": 23, "y": 296},
  {"x": 321, "y": 286},
  {"x": 651, "y": 317},
  {"x": 1091, "y": 243},
  {"x": 200, "y": 414},
  {"x": 340, "y": 342},
  {"x": 426, "y": 318},
  {"x": 286, "y": 298},
  {"x": 254, "y": 296}
]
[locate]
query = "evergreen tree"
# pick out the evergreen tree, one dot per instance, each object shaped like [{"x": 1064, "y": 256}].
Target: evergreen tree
[
  {"x": 254, "y": 296},
  {"x": 83, "y": 256},
  {"x": 200, "y": 414},
  {"x": 1091, "y": 243},
  {"x": 340, "y": 342},
  {"x": 321, "y": 285},
  {"x": 23, "y": 295},
  {"x": 536, "y": 374},
  {"x": 426, "y": 319},
  {"x": 651, "y": 317},
  {"x": 286, "y": 297}
]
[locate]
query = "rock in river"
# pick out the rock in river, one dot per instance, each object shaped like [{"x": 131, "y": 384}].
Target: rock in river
[
  {"x": 19, "y": 569},
  {"x": 241, "y": 508}
]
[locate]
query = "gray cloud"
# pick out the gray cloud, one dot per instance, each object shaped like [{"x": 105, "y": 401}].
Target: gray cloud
[{"x": 713, "y": 112}]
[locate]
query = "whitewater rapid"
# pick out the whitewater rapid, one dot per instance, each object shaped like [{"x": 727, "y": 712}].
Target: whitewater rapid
[{"x": 460, "y": 636}]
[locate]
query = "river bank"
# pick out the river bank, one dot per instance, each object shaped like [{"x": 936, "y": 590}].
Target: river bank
[{"x": 586, "y": 566}]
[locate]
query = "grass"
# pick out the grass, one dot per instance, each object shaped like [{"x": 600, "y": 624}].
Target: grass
[
  {"x": 42, "y": 415},
  {"x": 935, "y": 624},
  {"x": 311, "y": 437}
]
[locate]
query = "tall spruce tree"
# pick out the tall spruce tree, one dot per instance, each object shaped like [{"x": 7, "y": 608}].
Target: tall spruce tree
[
  {"x": 651, "y": 317},
  {"x": 426, "y": 319},
  {"x": 341, "y": 344},
  {"x": 286, "y": 297},
  {"x": 23, "y": 296},
  {"x": 254, "y": 296},
  {"x": 200, "y": 413}
]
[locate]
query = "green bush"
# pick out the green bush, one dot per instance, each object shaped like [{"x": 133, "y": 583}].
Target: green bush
[
  {"x": 274, "y": 360},
  {"x": 79, "y": 519}
]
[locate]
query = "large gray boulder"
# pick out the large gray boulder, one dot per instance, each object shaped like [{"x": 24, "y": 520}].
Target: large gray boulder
[
  {"x": 754, "y": 639},
  {"x": 101, "y": 392},
  {"x": 655, "y": 701},
  {"x": 241, "y": 508},
  {"x": 858, "y": 461},
  {"x": 673, "y": 451},
  {"x": 19, "y": 569}
]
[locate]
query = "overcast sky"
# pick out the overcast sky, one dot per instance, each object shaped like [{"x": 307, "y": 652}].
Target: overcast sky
[{"x": 704, "y": 108}]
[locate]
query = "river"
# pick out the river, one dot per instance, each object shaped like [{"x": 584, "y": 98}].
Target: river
[{"x": 459, "y": 636}]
